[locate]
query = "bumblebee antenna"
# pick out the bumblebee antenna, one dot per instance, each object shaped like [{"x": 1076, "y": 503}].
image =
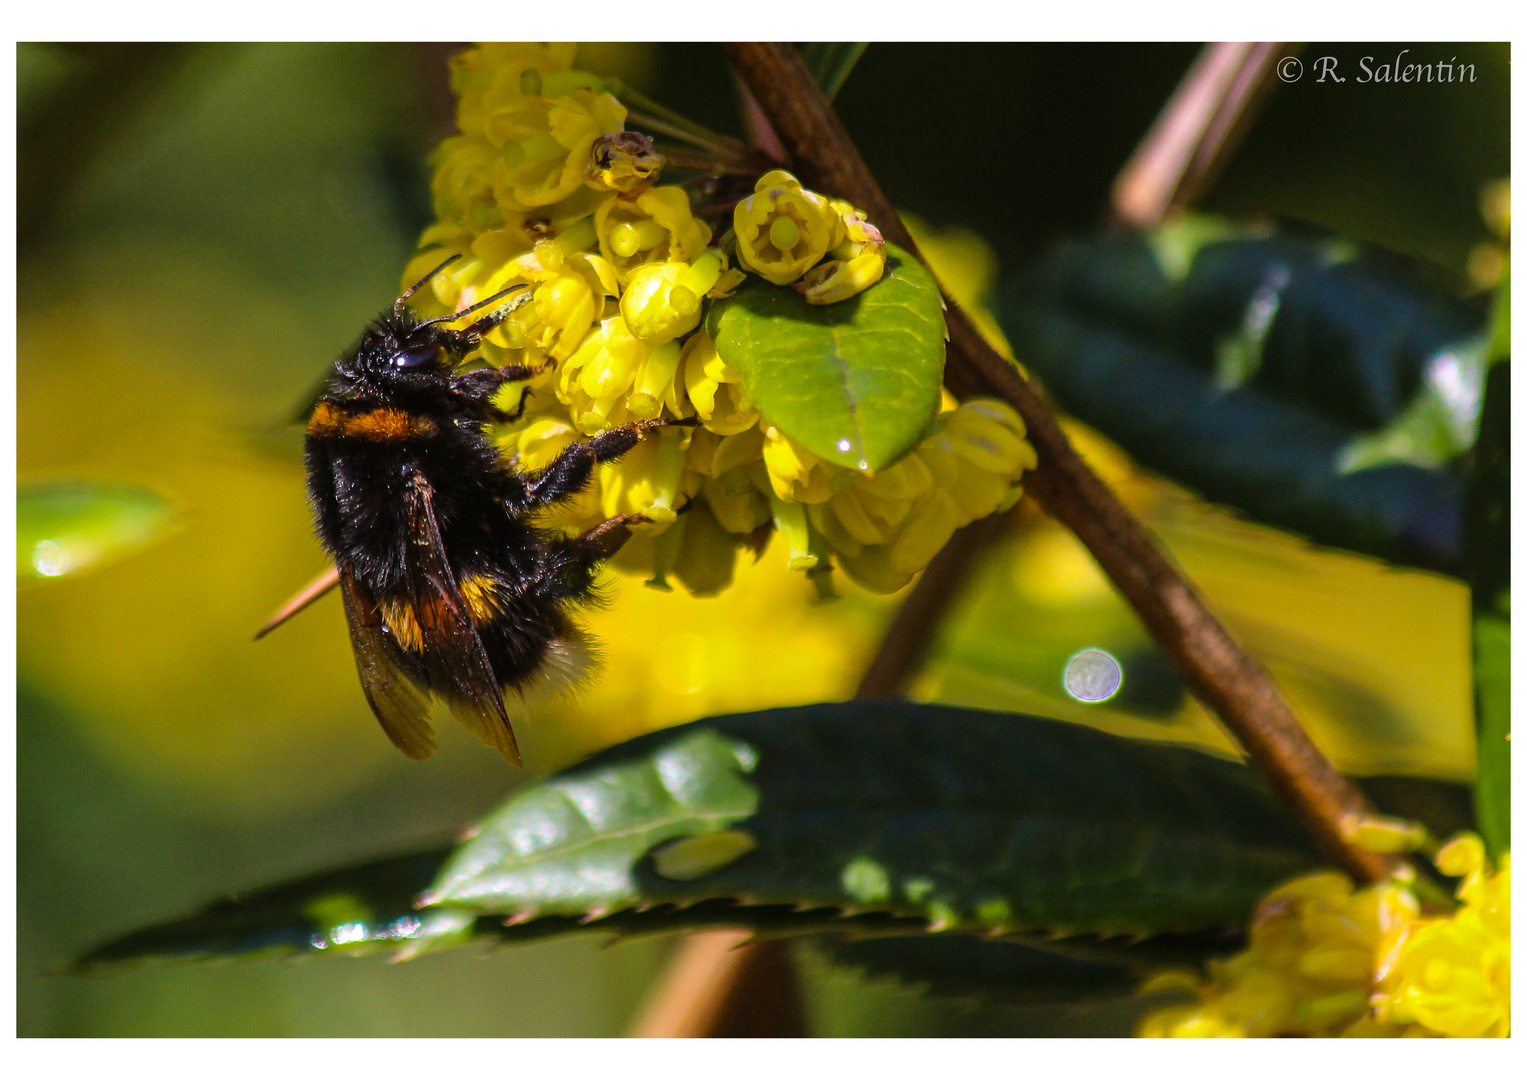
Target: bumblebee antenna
[
  {"x": 480, "y": 304},
  {"x": 416, "y": 286}
]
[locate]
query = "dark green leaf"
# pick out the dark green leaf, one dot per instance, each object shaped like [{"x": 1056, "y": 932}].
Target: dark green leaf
[
  {"x": 830, "y": 62},
  {"x": 999, "y": 971},
  {"x": 1310, "y": 386},
  {"x": 1004, "y": 823},
  {"x": 856, "y": 382},
  {"x": 1489, "y": 537},
  {"x": 371, "y": 906},
  {"x": 354, "y": 909},
  {"x": 864, "y": 819},
  {"x": 67, "y": 528}
]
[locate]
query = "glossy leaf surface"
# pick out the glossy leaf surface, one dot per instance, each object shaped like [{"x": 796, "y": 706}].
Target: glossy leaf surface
[
  {"x": 856, "y": 382},
  {"x": 1308, "y": 385},
  {"x": 955, "y": 817},
  {"x": 372, "y": 907},
  {"x": 863, "y": 817}
]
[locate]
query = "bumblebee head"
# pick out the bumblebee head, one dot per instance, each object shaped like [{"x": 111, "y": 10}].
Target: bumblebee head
[
  {"x": 400, "y": 353},
  {"x": 396, "y": 353}
]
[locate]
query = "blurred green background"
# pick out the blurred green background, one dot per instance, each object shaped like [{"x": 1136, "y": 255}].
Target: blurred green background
[{"x": 202, "y": 228}]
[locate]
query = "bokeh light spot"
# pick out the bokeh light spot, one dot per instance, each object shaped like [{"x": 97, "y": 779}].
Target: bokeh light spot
[{"x": 1092, "y": 675}]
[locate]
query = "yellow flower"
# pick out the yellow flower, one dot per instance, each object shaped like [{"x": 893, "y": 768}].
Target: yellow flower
[
  {"x": 538, "y": 445},
  {"x": 856, "y": 263},
  {"x": 568, "y": 303},
  {"x": 783, "y": 230},
  {"x": 646, "y": 480},
  {"x": 597, "y": 381},
  {"x": 1327, "y": 959},
  {"x": 657, "y": 226},
  {"x": 565, "y": 223},
  {"x": 840, "y": 279},
  {"x": 1453, "y": 977},
  {"x": 795, "y": 473},
  {"x": 463, "y": 182},
  {"x": 734, "y": 496},
  {"x": 542, "y": 176},
  {"x": 887, "y": 527},
  {"x": 493, "y": 75},
  {"x": 623, "y": 162},
  {"x": 545, "y": 144},
  {"x": 715, "y": 391},
  {"x": 662, "y": 300}
]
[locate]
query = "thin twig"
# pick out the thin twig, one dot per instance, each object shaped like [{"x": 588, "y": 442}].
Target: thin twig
[
  {"x": 760, "y": 134},
  {"x": 637, "y": 102},
  {"x": 1223, "y": 676},
  {"x": 906, "y": 642},
  {"x": 661, "y": 127},
  {"x": 721, "y": 983},
  {"x": 688, "y": 1000},
  {"x": 1197, "y": 130}
]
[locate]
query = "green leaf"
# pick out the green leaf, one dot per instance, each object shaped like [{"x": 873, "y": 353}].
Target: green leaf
[
  {"x": 355, "y": 909},
  {"x": 1489, "y": 538},
  {"x": 955, "y": 817},
  {"x": 997, "y": 971},
  {"x": 65, "y": 529},
  {"x": 830, "y": 62},
  {"x": 860, "y": 818},
  {"x": 371, "y": 907},
  {"x": 1309, "y": 385},
  {"x": 856, "y": 382},
  {"x": 584, "y": 831}
]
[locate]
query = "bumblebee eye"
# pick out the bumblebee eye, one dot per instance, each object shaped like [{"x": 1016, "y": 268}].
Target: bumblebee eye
[{"x": 417, "y": 356}]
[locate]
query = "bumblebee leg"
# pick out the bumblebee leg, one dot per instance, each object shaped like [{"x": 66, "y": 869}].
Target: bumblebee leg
[
  {"x": 566, "y": 476},
  {"x": 483, "y": 383},
  {"x": 606, "y": 538},
  {"x": 567, "y": 568}
]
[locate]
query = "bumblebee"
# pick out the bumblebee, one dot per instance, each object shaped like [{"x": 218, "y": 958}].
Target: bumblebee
[{"x": 450, "y": 590}]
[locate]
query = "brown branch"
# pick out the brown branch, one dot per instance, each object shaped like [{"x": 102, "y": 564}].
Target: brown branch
[
  {"x": 1221, "y": 674},
  {"x": 1197, "y": 130},
  {"x": 718, "y": 985}
]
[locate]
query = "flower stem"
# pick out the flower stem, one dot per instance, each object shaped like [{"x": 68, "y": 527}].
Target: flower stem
[
  {"x": 676, "y": 124},
  {"x": 1233, "y": 684},
  {"x": 1197, "y": 129}
]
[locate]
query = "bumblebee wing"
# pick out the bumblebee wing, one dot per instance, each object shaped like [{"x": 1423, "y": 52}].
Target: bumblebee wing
[
  {"x": 400, "y": 705},
  {"x": 454, "y": 657}
]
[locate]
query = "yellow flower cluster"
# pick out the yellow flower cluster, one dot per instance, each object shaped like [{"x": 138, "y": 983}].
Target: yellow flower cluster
[
  {"x": 544, "y": 186},
  {"x": 1326, "y": 959}
]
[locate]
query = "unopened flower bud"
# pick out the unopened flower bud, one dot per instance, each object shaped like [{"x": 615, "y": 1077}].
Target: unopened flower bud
[
  {"x": 838, "y": 279},
  {"x": 659, "y": 304},
  {"x": 714, "y": 389},
  {"x": 655, "y": 227}
]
